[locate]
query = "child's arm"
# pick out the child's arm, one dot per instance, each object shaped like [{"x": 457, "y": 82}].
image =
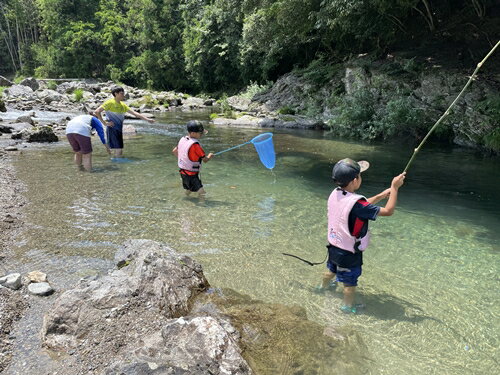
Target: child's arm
[
  {"x": 208, "y": 157},
  {"x": 397, "y": 182},
  {"x": 380, "y": 196},
  {"x": 175, "y": 151},
  {"x": 138, "y": 115}
]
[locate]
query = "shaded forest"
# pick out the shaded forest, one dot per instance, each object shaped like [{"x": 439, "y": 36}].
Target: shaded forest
[{"x": 219, "y": 46}]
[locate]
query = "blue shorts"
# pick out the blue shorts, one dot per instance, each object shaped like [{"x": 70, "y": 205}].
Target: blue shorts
[
  {"x": 115, "y": 137},
  {"x": 348, "y": 276}
]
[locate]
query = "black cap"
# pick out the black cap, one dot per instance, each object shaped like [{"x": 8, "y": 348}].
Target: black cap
[
  {"x": 347, "y": 170},
  {"x": 194, "y": 126}
]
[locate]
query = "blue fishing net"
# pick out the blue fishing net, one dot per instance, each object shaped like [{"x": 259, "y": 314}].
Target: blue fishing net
[{"x": 265, "y": 148}]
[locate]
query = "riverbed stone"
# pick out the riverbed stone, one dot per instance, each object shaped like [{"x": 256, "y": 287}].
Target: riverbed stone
[
  {"x": 11, "y": 281},
  {"x": 37, "y": 277},
  {"x": 40, "y": 134},
  {"x": 18, "y": 91},
  {"x": 31, "y": 83},
  {"x": 40, "y": 289},
  {"x": 3, "y": 108},
  {"x": 26, "y": 118}
]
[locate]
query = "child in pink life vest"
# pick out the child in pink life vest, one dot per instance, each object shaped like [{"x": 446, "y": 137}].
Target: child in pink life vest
[
  {"x": 348, "y": 217},
  {"x": 190, "y": 154}
]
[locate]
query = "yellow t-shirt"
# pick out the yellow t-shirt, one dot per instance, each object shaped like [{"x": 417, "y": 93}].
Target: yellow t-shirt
[{"x": 112, "y": 105}]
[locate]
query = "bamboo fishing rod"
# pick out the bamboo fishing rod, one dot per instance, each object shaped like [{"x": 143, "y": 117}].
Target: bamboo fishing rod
[{"x": 447, "y": 112}]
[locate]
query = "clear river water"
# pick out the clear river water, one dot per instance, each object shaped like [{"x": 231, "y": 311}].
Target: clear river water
[{"x": 430, "y": 277}]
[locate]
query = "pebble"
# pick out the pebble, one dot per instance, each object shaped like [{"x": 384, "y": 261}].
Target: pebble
[
  {"x": 11, "y": 148},
  {"x": 40, "y": 289}
]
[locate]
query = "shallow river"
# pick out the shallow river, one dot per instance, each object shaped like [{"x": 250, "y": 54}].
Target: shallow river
[{"x": 430, "y": 278}]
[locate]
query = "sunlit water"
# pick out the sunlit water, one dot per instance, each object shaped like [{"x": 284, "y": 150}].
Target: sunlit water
[{"x": 430, "y": 277}]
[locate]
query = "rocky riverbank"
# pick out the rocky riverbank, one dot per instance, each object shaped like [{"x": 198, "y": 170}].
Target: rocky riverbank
[
  {"x": 392, "y": 98},
  {"x": 12, "y": 303}
]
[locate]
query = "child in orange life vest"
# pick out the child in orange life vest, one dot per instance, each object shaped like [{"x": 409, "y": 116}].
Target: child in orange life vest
[
  {"x": 190, "y": 154},
  {"x": 348, "y": 216}
]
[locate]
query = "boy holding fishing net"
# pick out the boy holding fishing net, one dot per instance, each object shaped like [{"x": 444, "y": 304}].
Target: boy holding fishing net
[
  {"x": 348, "y": 217},
  {"x": 190, "y": 155}
]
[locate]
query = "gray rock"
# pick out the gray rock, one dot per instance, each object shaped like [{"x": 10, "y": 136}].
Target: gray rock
[
  {"x": 11, "y": 148},
  {"x": 18, "y": 91},
  {"x": 5, "y": 82},
  {"x": 195, "y": 345},
  {"x": 239, "y": 103},
  {"x": 152, "y": 275},
  {"x": 11, "y": 281},
  {"x": 49, "y": 96},
  {"x": 3, "y": 108},
  {"x": 26, "y": 119},
  {"x": 31, "y": 83},
  {"x": 37, "y": 277},
  {"x": 193, "y": 102},
  {"x": 18, "y": 127},
  {"x": 40, "y": 289},
  {"x": 40, "y": 134}
]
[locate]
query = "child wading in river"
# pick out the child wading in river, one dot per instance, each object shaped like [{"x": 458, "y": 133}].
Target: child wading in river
[
  {"x": 348, "y": 217},
  {"x": 190, "y": 155}
]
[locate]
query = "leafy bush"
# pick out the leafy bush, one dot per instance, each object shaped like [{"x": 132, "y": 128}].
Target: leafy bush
[
  {"x": 51, "y": 85},
  {"x": 492, "y": 140},
  {"x": 78, "y": 93},
  {"x": 226, "y": 109},
  {"x": 254, "y": 88},
  {"x": 286, "y": 110},
  {"x": 353, "y": 116},
  {"x": 361, "y": 116}
]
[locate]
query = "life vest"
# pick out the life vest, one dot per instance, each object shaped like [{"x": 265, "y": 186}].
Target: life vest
[
  {"x": 340, "y": 204},
  {"x": 183, "y": 160}
]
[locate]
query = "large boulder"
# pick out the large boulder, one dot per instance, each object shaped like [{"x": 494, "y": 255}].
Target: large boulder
[
  {"x": 18, "y": 91},
  {"x": 37, "y": 134},
  {"x": 239, "y": 103},
  {"x": 152, "y": 277},
  {"x": 31, "y": 83},
  {"x": 130, "y": 321},
  {"x": 49, "y": 96},
  {"x": 5, "y": 82}
]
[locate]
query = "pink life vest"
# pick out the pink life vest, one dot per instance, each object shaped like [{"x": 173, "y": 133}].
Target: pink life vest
[
  {"x": 183, "y": 160},
  {"x": 340, "y": 204}
]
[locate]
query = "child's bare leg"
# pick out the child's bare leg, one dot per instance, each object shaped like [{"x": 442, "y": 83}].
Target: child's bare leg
[
  {"x": 87, "y": 161},
  {"x": 78, "y": 159},
  {"x": 202, "y": 193},
  {"x": 349, "y": 292},
  {"x": 327, "y": 277},
  {"x": 188, "y": 192}
]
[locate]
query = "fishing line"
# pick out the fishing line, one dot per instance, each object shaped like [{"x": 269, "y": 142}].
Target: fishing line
[{"x": 304, "y": 260}]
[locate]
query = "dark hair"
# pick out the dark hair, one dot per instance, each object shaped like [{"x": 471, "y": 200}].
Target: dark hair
[
  {"x": 194, "y": 126},
  {"x": 116, "y": 90}
]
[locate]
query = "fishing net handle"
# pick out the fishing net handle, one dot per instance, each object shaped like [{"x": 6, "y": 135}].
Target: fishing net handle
[
  {"x": 447, "y": 112},
  {"x": 232, "y": 148}
]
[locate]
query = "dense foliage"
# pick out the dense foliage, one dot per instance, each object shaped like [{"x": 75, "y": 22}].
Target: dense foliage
[{"x": 223, "y": 45}]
